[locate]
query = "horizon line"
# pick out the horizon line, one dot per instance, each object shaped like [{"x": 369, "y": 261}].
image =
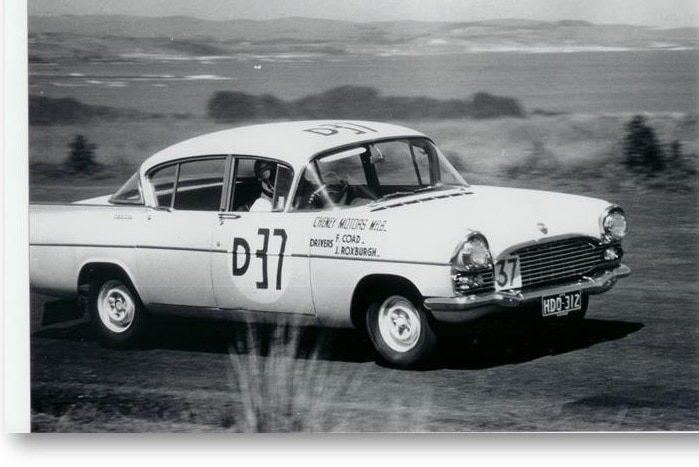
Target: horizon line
[{"x": 493, "y": 20}]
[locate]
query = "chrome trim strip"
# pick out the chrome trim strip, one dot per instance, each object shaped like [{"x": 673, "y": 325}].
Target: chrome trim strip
[
  {"x": 78, "y": 203},
  {"x": 137, "y": 247},
  {"x": 592, "y": 285},
  {"x": 173, "y": 248},
  {"x": 211, "y": 250},
  {"x": 82, "y": 245},
  {"x": 378, "y": 260}
]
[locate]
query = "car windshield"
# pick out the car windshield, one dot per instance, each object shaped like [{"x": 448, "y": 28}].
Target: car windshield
[{"x": 374, "y": 172}]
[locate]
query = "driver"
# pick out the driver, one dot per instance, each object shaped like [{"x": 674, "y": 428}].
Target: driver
[{"x": 266, "y": 172}]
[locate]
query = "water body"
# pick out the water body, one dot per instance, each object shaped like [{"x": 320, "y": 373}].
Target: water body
[{"x": 581, "y": 82}]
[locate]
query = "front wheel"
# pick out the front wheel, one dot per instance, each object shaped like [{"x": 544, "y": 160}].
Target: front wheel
[
  {"x": 117, "y": 313},
  {"x": 400, "y": 331}
]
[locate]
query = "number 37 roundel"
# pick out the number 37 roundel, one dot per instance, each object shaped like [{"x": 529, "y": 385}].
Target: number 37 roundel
[{"x": 243, "y": 256}]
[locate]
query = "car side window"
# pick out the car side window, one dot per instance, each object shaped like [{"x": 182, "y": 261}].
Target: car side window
[
  {"x": 260, "y": 185},
  {"x": 194, "y": 185},
  {"x": 200, "y": 185},
  {"x": 163, "y": 182}
]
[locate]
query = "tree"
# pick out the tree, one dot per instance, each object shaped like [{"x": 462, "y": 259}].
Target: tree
[
  {"x": 642, "y": 151},
  {"x": 82, "y": 156}
]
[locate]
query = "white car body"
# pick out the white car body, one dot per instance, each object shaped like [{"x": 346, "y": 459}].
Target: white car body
[{"x": 312, "y": 262}]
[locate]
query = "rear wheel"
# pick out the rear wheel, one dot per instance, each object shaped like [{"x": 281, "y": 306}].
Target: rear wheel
[
  {"x": 116, "y": 311},
  {"x": 400, "y": 330}
]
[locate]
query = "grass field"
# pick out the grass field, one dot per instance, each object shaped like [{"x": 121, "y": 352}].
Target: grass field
[
  {"x": 631, "y": 367},
  {"x": 653, "y": 368}
]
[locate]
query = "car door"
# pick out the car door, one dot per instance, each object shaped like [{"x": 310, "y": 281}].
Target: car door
[
  {"x": 174, "y": 253},
  {"x": 258, "y": 257}
]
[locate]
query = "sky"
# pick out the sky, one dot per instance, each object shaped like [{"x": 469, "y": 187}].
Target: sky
[{"x": 660, "y": 13}]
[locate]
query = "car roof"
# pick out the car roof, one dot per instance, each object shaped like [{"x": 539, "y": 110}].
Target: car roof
[{"x": 292, "y": 142}]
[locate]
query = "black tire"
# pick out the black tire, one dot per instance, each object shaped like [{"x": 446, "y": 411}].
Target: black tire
[
  {"x": 400, "y": 330},
  {"x": 116, "y": 312}
]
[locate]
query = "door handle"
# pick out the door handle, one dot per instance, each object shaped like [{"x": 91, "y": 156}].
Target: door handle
[{"x": 222, "y": 216}]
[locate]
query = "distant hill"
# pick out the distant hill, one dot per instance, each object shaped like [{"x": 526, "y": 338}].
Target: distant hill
[
  {"x": 357, "y": 102},
  {"x": 340, "y": 102},
  {"x": 69, "y": 111},
  {"x": 110, "y": 37}
]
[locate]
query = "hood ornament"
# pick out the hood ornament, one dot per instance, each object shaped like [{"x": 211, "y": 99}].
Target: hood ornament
[{"x": 542, "y": 228}]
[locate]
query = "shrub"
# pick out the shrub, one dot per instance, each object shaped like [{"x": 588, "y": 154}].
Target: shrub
[
  {"x": 642, "y": 151},
  {"x": 81, "y": 159},
  {"x": 484, "y": 105}
]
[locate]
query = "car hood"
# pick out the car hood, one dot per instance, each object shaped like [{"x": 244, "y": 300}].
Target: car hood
[{"x": 506, "y": 216}]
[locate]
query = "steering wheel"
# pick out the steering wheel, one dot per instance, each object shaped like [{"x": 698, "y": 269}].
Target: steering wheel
[{"x": 327, "y": 193}]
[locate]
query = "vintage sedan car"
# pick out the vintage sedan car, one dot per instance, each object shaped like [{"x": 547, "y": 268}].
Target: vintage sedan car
[{"x": 345, "y": 223}]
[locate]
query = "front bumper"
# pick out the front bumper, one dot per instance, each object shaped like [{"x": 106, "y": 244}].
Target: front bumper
[{"x": 467, "y": 308}]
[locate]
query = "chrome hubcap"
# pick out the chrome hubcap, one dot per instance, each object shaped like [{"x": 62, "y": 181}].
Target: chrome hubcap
[
  {"x": 116, "y": 306},
  {"x": 399, "y": 323}
]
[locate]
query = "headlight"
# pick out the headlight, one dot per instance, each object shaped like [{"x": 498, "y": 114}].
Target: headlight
[
  {"x": 473, "y": 254},
  {"x": 614, "y": 224},
  {"x": 471, "y": 265}
]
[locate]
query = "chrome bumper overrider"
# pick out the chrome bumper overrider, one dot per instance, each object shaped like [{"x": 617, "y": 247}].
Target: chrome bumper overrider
[{"x": 593, "y": 284}]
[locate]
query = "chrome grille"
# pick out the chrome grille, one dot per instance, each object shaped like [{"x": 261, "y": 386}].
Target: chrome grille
[
  {"x": 558, "y": 260},
  {"x": 488, "y": 280}
]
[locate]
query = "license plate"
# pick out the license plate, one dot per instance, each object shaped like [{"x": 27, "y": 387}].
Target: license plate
[{"x": 561, "y": 304}]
